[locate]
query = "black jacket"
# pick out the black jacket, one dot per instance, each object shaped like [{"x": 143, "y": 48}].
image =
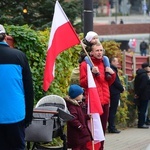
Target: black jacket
[
  {"x": 116, "y": 87},
  {"x": 142, "y": 84}
]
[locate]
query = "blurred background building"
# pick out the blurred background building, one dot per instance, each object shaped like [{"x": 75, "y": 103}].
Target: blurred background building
[{"x": 121, "y": 7}]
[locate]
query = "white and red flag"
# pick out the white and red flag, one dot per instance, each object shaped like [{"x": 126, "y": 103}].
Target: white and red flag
[
  {"x": 62, "y": 37},
  {"x": 95, "y": 109}
]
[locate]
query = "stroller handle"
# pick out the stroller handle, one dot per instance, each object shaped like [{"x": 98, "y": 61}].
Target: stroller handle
[{"x": 45, "y": 111}]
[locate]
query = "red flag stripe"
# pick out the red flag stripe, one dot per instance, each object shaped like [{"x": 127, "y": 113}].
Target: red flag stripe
[
  {"x": 94, "y": 99},
  {"x": 58, "y": 45},
  {"x": 95, "y": 104},
  {"x": 62, "y": 37}
]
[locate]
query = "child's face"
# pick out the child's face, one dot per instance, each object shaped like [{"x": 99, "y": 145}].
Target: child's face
[
  {"x": 94, "y": 40},
  {"x": 79, "y": 98}
]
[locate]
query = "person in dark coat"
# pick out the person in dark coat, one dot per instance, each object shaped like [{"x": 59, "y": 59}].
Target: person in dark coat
[
  {"x": 143, "y": 48},
  {"x": 141, "y": 90},
  {"x": 78, "y": 134},
  {"x": 115, "y": 89},
  {"x": 147, "y": 119}
]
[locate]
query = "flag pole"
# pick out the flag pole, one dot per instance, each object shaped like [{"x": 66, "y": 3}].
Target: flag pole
[
  {"x": 91, "y": 120},
  {"x": 86, "y": 53}
]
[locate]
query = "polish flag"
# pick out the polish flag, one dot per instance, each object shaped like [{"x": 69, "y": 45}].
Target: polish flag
[
  {"x": 95, "y": 109},
  {"x": 94, "y": 99},
  {"x": 62, "y": 37}
]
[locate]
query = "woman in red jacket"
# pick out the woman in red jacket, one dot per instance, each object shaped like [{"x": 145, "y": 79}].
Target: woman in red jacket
[{"x": 101, "y": 83}]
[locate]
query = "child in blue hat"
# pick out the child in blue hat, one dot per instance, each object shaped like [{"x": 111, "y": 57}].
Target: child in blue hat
[{"x": 78, "y": 134}]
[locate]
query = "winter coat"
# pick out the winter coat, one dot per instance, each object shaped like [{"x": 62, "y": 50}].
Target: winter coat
[
  {"x": 77, "y": 130},
  {"x": 16, "y": 88},
  {"x": 100, "y": 81},
  {"x": 116, "y": 87},
  {"x": 143, "y": 45},
  {"x": 142, "y": 84}
]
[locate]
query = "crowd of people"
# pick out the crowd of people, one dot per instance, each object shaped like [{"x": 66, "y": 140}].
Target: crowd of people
[
  {"x": 16, "y": 80},
  {"x": 108, "y": 84},
  {"x": 143, "y": 47},
  {"x": 109, "y": 88}
]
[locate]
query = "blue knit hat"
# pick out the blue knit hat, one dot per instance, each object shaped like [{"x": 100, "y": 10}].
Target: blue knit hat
[{"x": 75, "y": 90}]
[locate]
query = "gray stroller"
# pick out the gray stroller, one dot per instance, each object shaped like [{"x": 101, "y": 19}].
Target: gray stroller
[{"x": 49, "y": 117}]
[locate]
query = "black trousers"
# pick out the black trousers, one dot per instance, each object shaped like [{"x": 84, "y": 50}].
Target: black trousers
[
  {"x": 114, "y": 101},
  {"x": 142, "y": 107},
  {"x": 12, "y": 136}
]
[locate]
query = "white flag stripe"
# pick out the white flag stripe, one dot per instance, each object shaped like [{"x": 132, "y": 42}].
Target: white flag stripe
[
  {"x": 88, "y": 108},
  {"x": 58, "y": 13},
  {"x": 98, "y": 131},
  {"x": 61, "y": 29},
  {"x": 96, "y": 127},
  {"x": 91, "y": 82}
]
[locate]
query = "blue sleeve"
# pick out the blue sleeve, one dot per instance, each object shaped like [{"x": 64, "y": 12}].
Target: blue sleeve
[
  {"x": 106, "y": 61},
  {"x": 88, "y": 61}
]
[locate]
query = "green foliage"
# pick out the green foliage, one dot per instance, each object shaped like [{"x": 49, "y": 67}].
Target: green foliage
[
  {"x": 65, "y": 63},
  {"x": 39, "y": 13},
  {"x": 132, "y": 108},
  {"x": 112, "y": 48},
  {"x": 126, "y": 114},
  {"x": 34, "y": 45},
  {"x": 55, "y": 142},
  {"x": 70, "y": 9}
]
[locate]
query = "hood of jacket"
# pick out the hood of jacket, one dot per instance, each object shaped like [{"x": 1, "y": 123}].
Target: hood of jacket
[
  {"x": 71, "y": 101},
  {"x": 114, "y": 68},
  {"x": 140, "y": 71}
]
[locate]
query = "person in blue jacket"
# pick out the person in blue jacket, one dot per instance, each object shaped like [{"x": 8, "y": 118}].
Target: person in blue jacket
[{"x": 16, "y": 96}]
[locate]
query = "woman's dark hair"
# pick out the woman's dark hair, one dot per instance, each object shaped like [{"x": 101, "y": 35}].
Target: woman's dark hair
[
  {"x": 86, "y": 42},
  {"x": 88, "y": 49},
  {"x": 112, "y": 59},
  {"x": 83, "y": 54},
  {"x": 2, "y": 36}
]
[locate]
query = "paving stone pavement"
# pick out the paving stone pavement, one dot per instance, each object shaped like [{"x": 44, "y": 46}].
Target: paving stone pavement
[{"x": 128, "y": 139}]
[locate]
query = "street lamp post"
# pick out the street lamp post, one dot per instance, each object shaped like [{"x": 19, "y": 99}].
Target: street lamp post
[{"x": 88, "y": 16}]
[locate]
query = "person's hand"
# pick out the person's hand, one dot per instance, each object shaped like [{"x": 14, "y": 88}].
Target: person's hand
[
  {"x": 109, "y": 70},
  {"x": 90, "y": 116},
  {"x": 95, "y": 70},
  {"x": 83, "y": 43}
]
